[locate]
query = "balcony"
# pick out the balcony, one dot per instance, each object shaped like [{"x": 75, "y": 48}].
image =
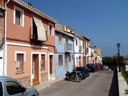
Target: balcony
[
  {"x": 34, "y": 35},
  {"x": 68, "y": 48}
]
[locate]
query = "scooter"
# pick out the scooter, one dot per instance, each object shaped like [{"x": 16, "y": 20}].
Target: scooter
[{"x": 73, "y": 76}]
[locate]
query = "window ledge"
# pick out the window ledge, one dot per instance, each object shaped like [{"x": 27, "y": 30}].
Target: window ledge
[
  {"x": 60, "y": 66},
  {"x": 20, "y": 72},
  {"x": 43, "y": 69}
]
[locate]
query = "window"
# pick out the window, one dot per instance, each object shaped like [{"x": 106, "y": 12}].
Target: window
[
  {"x": 60, "y": 60},
  {"x": 38, "y": 30},
  {"x": 51, "y": 29},
  {"x": 13, "y": 88},
  {"x": 1, "y": 89},
  {"x": 18, "y": 16},
  {"x": 60, "y": 39},
  {"x": 20, "y": 62},
  {"x": 34, "y": 35},
  {"x": 42, "y": 61},
  {"x": 76, "y": 42},
  {"x": 20, "y": 58}
]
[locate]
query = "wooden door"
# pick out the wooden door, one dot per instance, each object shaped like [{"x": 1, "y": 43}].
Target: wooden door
[
  {"x": 66, "y": 63},
  {"x": 51, "y": 65},
  {"x": 79, "y": 60},
  {"x": 85, "y": 61},
  {"x": 36, "y": 69}
]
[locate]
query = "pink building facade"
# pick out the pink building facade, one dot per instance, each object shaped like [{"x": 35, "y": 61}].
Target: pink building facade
[{"x": 28, "y": 43}]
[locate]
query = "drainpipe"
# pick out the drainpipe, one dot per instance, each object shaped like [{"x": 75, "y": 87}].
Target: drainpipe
[
  {"x": 5, "y": 45},
  {"x": 73, "y": 53}
]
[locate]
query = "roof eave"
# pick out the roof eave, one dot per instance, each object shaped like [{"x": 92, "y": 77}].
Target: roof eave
[{"x": 65, "y": 33}]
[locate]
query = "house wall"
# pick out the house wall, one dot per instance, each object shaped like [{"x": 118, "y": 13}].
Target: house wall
[
  {"x": 24, "y": 32},
  {"x": 17, "y": 35},
  {"x": 11, "y": 63},
  {"x": 1, "y": 38},
  {"x": 60, "y": 50},
  {"x": 1, "y": 62},
  {"x": 91, "y": 58},
  {"x": 79, "y": 56},
  {"x": 2, "y": 3},
  {"x": 1, "y": 29}
]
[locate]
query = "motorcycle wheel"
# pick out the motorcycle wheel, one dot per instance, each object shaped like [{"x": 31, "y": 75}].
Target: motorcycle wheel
[{"x": 77, "y": 79}]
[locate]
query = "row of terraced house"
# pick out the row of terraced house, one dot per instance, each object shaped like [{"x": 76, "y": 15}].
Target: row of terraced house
[{"x": 35, "y": 48}]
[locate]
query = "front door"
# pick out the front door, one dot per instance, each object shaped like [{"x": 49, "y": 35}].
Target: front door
[
  {"x": 79, "y": 60},
  {"x": 85, "y": 61},
  {"x": 51, "y": 65},
  {"x": 35, "y": 69},
  {"x": 66, "y": 63}
]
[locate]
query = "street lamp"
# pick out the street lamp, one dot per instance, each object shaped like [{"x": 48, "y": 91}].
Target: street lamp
[{"x": 118, "y": 47}]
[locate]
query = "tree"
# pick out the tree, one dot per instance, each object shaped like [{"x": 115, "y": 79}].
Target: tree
[
  {"x": 29, "y": 3},
  {"x": 114, "y": 61}
]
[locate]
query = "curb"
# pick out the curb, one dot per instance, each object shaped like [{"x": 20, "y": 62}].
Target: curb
[
  {"x": 47, "y": 84},
  {"x": 122, "y": 85}
]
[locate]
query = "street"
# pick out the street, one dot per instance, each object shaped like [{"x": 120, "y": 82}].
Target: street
[{"x": 97, "y": 84}]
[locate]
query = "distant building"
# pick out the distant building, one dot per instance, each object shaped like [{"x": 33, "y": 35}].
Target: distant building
[
  {"x": 85, "y": 50},
  {"x": 97, "y": 55},
  {"x": 91, "y": 55},
  {"x": 126, "y": 60}
]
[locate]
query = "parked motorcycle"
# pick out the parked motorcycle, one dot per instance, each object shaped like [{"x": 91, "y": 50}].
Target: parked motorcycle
[{"x": 73, "y": 76}]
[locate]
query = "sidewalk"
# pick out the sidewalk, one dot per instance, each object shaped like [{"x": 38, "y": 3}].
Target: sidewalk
[
  {"x": 122, "y": 84},
  {"x": 47, "y": 84}
]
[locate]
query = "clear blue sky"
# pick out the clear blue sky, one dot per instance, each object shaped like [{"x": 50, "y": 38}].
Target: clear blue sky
[{"x": 105, "y": 22}]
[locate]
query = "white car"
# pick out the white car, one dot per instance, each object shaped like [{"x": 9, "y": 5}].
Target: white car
[{"x": 11, "y": 87}]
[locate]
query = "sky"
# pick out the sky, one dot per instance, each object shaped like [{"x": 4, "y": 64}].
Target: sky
[{"x": 105, "y": 22}]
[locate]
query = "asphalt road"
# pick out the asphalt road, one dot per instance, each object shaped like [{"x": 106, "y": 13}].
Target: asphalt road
[{"x": 97, "y": 84}]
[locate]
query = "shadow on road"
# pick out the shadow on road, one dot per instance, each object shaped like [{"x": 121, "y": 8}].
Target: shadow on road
[{"x": 114, "y": 85}]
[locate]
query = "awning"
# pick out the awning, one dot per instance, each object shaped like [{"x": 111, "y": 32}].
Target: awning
[{"x": 40, "y": 29}]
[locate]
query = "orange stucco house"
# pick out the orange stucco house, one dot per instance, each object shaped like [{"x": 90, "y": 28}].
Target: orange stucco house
[{"x": 27, "y": 43}]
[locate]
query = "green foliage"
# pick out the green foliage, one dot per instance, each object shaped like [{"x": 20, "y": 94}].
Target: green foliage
[
  {"x": 126, "y": 92},
  {"x": 124, "y": 75},
  {"x": 29, "y": 3},
  {"x": 113, "y": 61}
]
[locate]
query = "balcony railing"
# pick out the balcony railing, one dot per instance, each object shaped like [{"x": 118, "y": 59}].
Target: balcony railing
[{"x": 68, "y": 47}]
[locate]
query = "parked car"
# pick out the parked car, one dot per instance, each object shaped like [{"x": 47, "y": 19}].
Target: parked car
[
  {"x": 84, "y": 70},
  {"x": 11, "y": 87},
  {"x": 73, "y": 76},
  {"x": 105, "y": 67},
  {"x": 91, "y": 67}
]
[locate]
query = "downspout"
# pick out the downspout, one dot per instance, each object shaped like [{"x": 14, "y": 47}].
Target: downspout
[
  {"x": 73, "y": 53},
  {"x": 5, "y": 45}
]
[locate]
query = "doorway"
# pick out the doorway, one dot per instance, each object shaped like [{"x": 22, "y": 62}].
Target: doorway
[
  {"x": 35, "y": 69},
  {"x": 79, "y": 60},
  {"x": 66, "y": 63},
  {"x": 51, "y": 67}
]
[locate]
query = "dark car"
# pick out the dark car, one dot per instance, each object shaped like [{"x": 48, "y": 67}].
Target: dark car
[
  {"x": 92, "y": 67},
  {"x": 96, "y": 67},
  {"x": 84, "y": 70}
]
